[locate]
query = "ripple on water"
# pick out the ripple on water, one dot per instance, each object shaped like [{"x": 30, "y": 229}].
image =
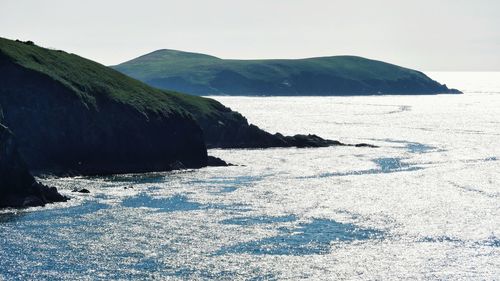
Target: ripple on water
[
  {"x": 412, "y": 147},
  {"x": 175, "y": 203},
  {"x": 310, "y": 238},
  {"x": 227, "y": 189},
  {"x": 385, "y": 165},
  {"x": 170, "y": 204},
  {"x": 146, "y": 178},
  {"x": 55, "y": 217},
  {"x": 388, "y": 165},
  {"x": 492, "y": 241},
  {"x": 258, "y": 220},
  {"x": 239, "y": 181}
]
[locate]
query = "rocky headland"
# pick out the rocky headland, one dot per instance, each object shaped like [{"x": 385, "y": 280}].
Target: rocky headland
[{"x": 73, "y": 116}]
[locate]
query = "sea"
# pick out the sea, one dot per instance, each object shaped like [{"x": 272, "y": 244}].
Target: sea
[{"x": 424, "y": 205}]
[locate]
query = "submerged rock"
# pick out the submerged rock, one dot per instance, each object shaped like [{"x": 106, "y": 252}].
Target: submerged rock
[
  {"x": 18, "y": 188},
  {"x": 365, "y": 145},
  {"x": 80, "y": 190}
]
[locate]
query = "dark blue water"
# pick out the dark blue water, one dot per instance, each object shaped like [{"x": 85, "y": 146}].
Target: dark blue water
[{"x": 99, "y": 239}]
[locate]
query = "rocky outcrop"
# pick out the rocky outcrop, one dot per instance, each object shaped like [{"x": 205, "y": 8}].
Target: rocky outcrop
[
  {"x": 224, "y": 128},
  {"x": 18, "y": 188},
  {"x": 81, "y": 190},
  {"x": 217, "y": 162}
]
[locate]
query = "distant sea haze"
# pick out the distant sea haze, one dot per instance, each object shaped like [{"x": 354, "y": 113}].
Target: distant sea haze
[{"x": 469, "y": 82}]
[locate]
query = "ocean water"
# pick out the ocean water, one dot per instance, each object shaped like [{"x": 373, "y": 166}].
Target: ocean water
[{"x": 424, "y": 205}]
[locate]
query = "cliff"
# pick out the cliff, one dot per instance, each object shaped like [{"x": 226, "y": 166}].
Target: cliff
[{"x": 71, "y": 115}]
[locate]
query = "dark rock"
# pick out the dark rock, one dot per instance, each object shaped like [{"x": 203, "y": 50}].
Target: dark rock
[
  {"x": 225, "y": 128},
  {"x": 81, "y": 190},
  {"x": 32, "y": 201},
  {"x": 217, "y": 162},
  {"x": 230, "y": 129},
  {"x": 18, "y": 188},
  {"x": 310, "y": 141},
  {"x": 51, "y": 194},
  {"x": 365, "y": 145},
  {"x": 177, "y": 165}
]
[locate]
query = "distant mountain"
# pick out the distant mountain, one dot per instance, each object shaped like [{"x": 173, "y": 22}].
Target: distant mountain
[{"x": 200, "y": 74}]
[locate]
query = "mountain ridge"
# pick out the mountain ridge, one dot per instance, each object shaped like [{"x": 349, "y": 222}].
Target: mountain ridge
[{"x": 202, "y": 74}]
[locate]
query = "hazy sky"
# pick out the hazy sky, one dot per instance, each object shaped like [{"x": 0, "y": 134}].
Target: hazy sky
[{"x": 423, "y": 34}]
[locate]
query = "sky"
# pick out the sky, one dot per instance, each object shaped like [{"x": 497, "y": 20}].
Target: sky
[{"x": 429, "y": 35}]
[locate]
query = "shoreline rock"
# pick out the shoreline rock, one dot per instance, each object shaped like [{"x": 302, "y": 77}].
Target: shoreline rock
[
  {"x": 213, "y": 161},
  {"x": 81, "y": 190},
  {"x": 18, "y": 188}
]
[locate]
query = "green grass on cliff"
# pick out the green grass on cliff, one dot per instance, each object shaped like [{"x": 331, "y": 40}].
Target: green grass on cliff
[{"x": 90, "y": 80}]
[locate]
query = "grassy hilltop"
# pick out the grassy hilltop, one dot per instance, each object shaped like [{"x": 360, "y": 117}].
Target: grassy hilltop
[
  {"x": 201, "y": 74},
  {"x": 89, "y": 80}
]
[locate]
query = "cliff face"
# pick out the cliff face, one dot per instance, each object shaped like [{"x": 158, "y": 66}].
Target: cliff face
[
  {"x": 200, "y": 74},
  {"x": 91, "y": 122},
  {"x": 18, "y": 188}
]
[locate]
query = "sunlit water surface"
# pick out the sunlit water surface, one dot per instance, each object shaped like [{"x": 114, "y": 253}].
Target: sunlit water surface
[{"x": 425, "y": 205}]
